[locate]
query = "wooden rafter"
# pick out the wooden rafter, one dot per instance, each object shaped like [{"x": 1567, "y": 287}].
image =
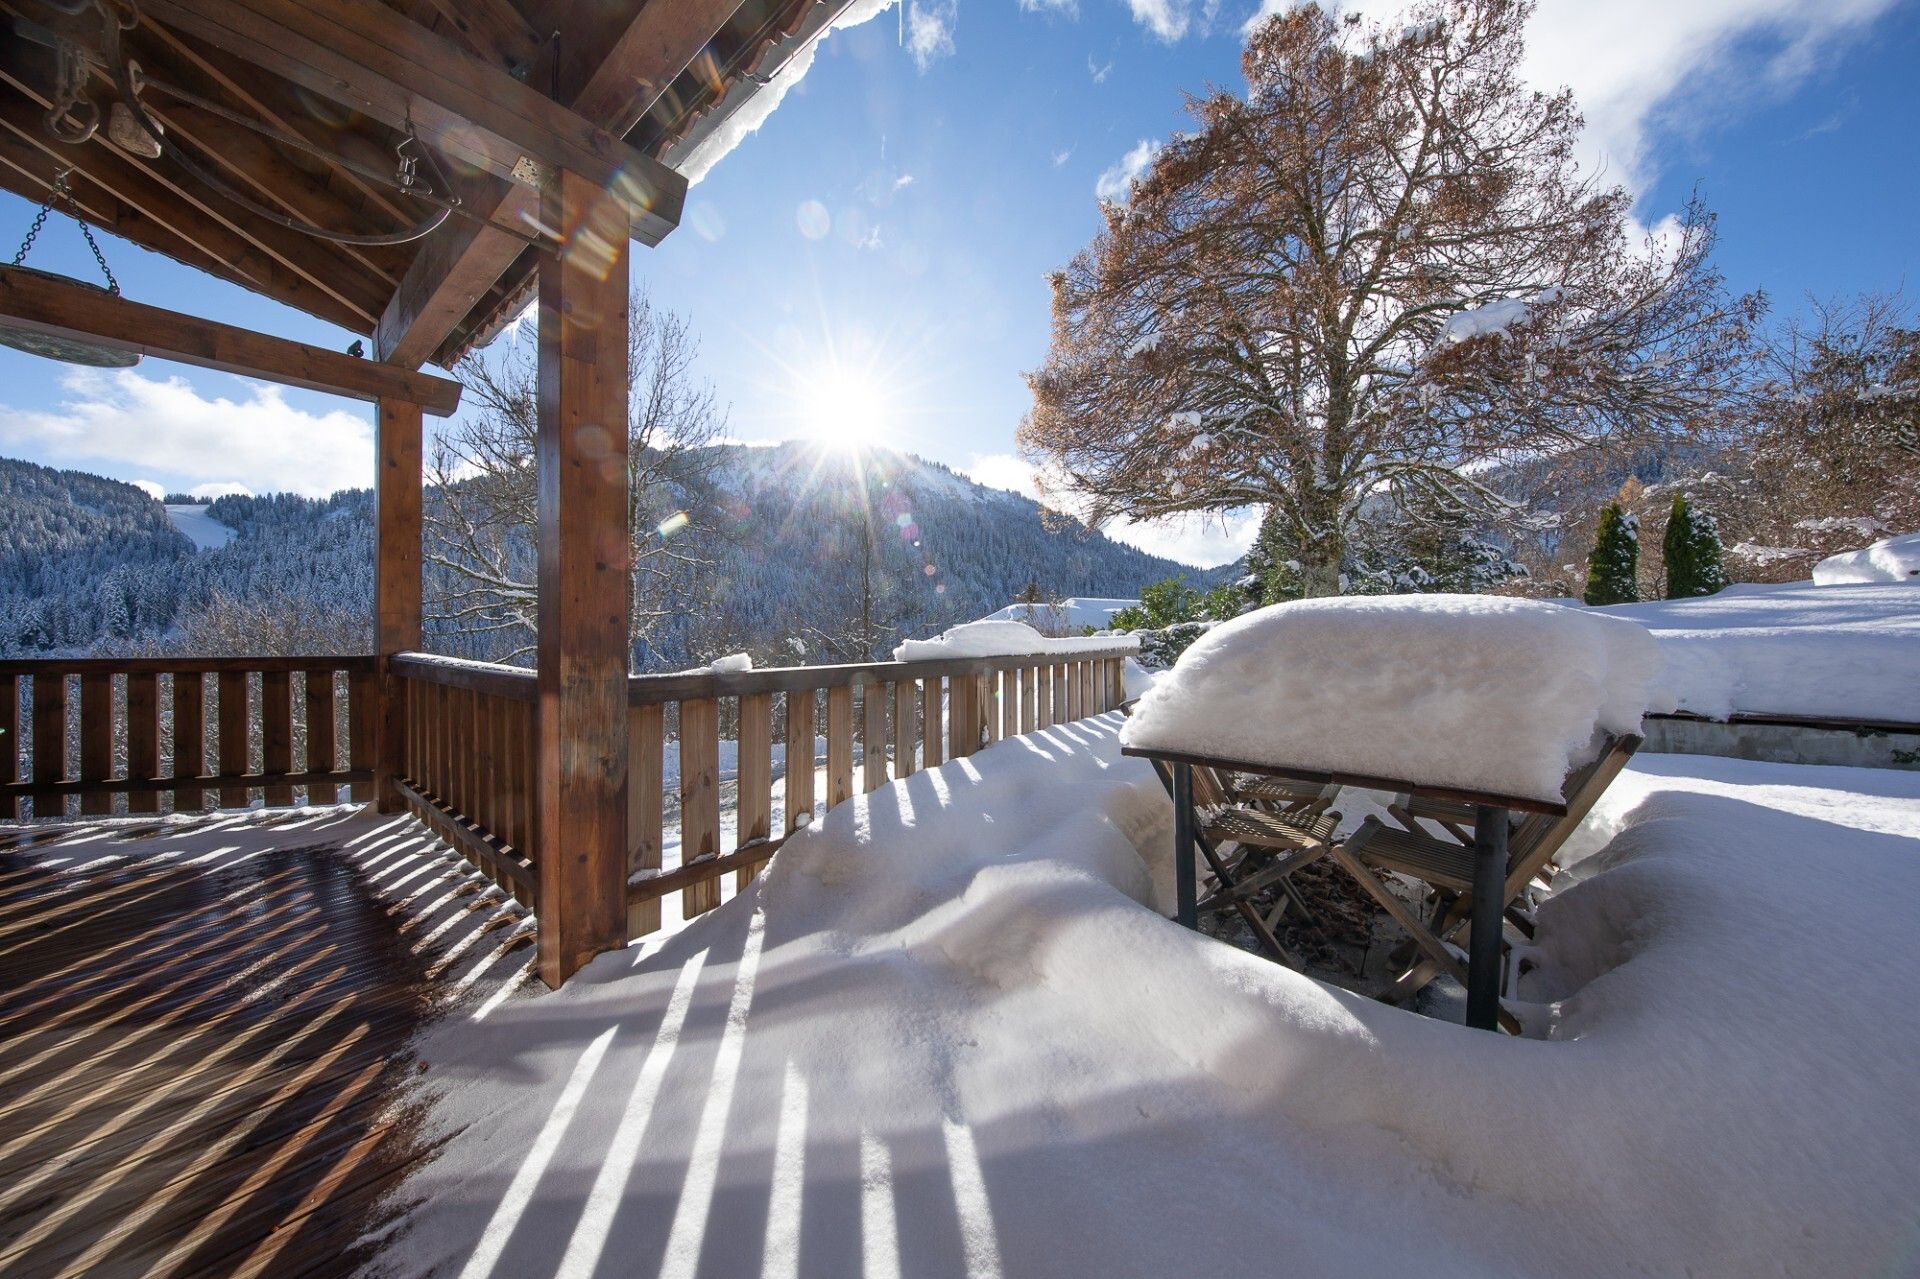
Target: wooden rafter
[
  {"x": 33, "y": 301},
  {"x": 459, "y": 263},
  {"x": 366, "y": 56}
]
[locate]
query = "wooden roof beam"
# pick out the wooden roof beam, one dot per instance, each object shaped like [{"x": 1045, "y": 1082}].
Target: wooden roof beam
[
  {"x": 369, "y": 57},
  {"x": 33, "y": 301},
  {"x": 460, "y": 262}
]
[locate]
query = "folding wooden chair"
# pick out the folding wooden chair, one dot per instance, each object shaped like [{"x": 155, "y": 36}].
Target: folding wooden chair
[{"x": 1447, "y": 865}]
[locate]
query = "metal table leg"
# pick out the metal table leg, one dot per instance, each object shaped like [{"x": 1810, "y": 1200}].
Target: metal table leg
[
  {"x": 1489, "y": 905},
  {"x": 1185, "y": 889}
]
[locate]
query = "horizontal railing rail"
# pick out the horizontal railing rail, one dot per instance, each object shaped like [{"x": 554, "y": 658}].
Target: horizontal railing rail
[{"x": 147, "y": 735}]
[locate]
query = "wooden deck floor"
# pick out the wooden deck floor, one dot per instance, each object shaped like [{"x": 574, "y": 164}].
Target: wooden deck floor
[{"x": 204, "y": 1033}]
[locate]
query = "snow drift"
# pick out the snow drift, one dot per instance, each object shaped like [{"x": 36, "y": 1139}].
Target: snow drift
[
  {"x": 1000, "y": 638},
  {"x": 1471, "y": 691},
  {"x": 947, "y": 1033},
  {"x": 1891, "y": 559},
  {"x": 1837, "y": 652}
]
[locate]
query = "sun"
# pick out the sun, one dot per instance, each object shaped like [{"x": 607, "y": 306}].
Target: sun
[{"x": 844, "y": 407}]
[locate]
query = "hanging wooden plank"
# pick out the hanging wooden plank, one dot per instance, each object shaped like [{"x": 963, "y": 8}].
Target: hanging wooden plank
[
  {"x": 235, "y": 750},
  {"x": 933, "y": 723},
  {"x": 585, "y": 581},
  {"x": 839, "y": 745},
  {"x": 323, "y": 754},
  {"x": 753, "y": 821},
  {"x": 96, "y": 741},
  {"x": 46, "y": 305},
  {"x": 143, "y": 738},
  {"x": 873, "y": 735},
  {"x": 646, "y": 808},
  {"x": 276, "y": 733},
  {"x": 906, "y": 728},
  {"x": 800, "y": 743},
  {"x": 189, "y": 738},
  {"x": 699, "y": 800}
]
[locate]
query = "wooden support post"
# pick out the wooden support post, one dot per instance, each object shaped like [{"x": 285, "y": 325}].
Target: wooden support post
[
  {"x": 1185, "y": 887},
  {"x": 396, "y": 587},
  {"x": 585, "y": 585}
]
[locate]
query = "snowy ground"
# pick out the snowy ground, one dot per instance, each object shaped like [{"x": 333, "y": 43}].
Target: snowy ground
[
  {"x": 949, "y": 1034},
  {"x": 205, "y": 532}
]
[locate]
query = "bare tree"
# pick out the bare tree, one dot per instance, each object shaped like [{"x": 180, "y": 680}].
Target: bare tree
[
  {"x": 1373, "y": 276},
  {"x": 481, "y": 516}
]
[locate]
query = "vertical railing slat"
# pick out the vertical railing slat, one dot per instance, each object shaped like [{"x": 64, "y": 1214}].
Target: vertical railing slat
[
  {"x": 646, "y": 799},
  {"x": 143, "y": 739},
  {"x": 96, "y": 741},
  {"x": 361, "y": 700},
  {"x": 9, "y": 742},
  {"x": 799, "y": 796},
  {"x": 189, "y": 738},
  {"x": 232, "y": 721},
  {"x": 873, "y": 734},
  {"x": 49, "y": 739},
  {"x": 322, "y": 746},
  {"x": 699, "y": 798},
  {"x": 276, "y": 733},
  {"x": 906, "y": 727},
  {"x": 933, "y": 728},
  {"x": 961, "y": 694},
  {"x": 839, "y": 744},
  {"x": 755, "y": 785}
]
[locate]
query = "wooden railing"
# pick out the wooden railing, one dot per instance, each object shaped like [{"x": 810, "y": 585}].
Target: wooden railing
[
  {"x": 147, "y": 735},
  {"x": 467, "y": 761},
  {"x": 841, "y": 731}
]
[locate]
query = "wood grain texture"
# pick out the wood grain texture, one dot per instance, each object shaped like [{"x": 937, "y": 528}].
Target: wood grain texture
[
  {"x": 754, "y": 822},
  {"x": 699, "y": 800},
  {"x": 646, "y": 765},
  {"x": 585, "y": 591},
  {"x": 396, "y": 581},
  {"x": 799, "y": 795},
  {"x": 839, "y": 745}
]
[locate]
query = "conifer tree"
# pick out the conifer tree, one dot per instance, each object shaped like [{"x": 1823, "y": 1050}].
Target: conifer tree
[
  {"x": 1692, "y": 550},
  {"x": 1613, "y": 568}
]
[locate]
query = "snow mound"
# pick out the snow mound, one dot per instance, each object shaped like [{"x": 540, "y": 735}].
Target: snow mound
[
  {"x": 1891, "y": 559},
  {"x": 1828, "y": 652},
  {"x": 1000, "y": 638},
  {"x": 1471, "y": 691},
  {"x": 731, "y": 664}
]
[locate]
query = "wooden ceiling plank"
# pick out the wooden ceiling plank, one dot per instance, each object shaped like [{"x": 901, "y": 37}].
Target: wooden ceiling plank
[
  {"x": 366, "y": 55},
  {"x": 155, "y": 217},
  {"x": 494, "y": 30},
  {"x": 460, "y": 263},
  {"x": 75, "y": 311}
]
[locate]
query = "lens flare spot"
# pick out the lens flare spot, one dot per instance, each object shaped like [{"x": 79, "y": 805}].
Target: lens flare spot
[
  {"x": 673, "y": 524},
  {"x": 813, "y": 220}
]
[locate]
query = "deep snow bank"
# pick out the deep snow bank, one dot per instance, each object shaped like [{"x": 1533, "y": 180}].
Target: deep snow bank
[
  {"x": 1891, "y": 559},
  {"x": 943, "y": 1036},
  {"x": 1472, "y": 691},
  {"x": 1795, "y": 649}
]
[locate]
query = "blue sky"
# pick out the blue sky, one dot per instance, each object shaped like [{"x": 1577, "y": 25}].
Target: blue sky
[{"x": 877, "y": 251}]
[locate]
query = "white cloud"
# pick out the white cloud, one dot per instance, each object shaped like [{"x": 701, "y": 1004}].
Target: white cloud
[
  {"x": 1099, "y": 71},
  {"x": 902, "y": 182},
  {"x": 128, "y": 420},
  {"x": 1067, "y": 8},
  {"x": 1004, "y": 471},
  {"x": 1637, "y": 64},
  {"x": 1201, "y": 540},
  {"x": 1168, "y": 19},
  {"x": 211, "y": 491},
  {"x": 1061, "y": 157},
  {"x": 930, "y": 26},
  {"x": 1117, "y": 180},
  {"x": 152, "y": 488}
]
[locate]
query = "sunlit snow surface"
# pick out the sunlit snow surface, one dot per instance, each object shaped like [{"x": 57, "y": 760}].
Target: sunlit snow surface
[
  {"x": 948, "y": 1033},
  {"x": 205, "y": 532}
]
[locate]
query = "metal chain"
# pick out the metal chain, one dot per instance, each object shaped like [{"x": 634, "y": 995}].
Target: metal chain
[{"x": 58, "y": 194}]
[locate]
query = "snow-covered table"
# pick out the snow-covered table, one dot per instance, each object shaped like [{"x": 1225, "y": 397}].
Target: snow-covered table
[{"x": 1490, "y": 825}]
